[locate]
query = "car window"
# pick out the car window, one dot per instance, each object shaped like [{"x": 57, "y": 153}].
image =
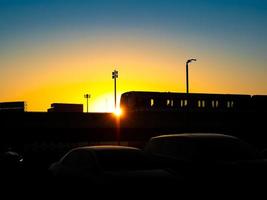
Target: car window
[
  {"x": 79, "y": 158},
  {"x": 122, "y": 160},
  {"x": 180, "y": 149},
  {"x": 212, "y": 149},
  {"x": 224, "y": 150}
]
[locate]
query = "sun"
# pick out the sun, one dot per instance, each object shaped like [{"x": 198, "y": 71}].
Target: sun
[{"x": 118, "y": 112}]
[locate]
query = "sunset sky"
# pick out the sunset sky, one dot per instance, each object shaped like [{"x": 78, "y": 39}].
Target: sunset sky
[{"x": 57, "y": 51}]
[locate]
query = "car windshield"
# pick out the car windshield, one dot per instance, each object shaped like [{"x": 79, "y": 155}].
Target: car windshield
[
  {"x": 78, "y": 157},
  {"x": 205, "y": 148},
  {"x": 122, "y": 160},
  {"x": 223, "y": 149}
]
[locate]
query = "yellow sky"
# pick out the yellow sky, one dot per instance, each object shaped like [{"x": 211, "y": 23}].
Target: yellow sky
[{"x": 63, "y": 70}]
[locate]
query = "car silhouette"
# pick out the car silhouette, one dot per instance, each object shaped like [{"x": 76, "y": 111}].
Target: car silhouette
[
  {"x": 11, "y": 165},
  {"x": 108, "y": 164},
  {"x": 205, "y": 156},
  {"x": 201, "y": 146}
]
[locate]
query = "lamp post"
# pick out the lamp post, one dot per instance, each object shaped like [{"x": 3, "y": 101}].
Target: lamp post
[
  {"x": 115, "y": 75},
  {"x": 87, "y": 96},
  {"x": 187, "y": 76}
]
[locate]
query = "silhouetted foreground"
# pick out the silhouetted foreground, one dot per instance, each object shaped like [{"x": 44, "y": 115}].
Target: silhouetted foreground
[
  {"x": 145, "y": 114},
  {"x": 184, "y": 160},
  {"x": 110, "y": 165},
  {"x": 209, "y": 157},
  {"x": 43, "y": 138}
]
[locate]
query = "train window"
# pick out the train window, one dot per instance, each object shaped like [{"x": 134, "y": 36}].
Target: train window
[
  {"x": 217, "y": 104},
  {"x": 184, "y": 103},
  {"x": 213, "y": 104},
  {"x": 232, "y": 104},
  {"x": 203, "y": 104},
  {"x": 151, "y": 102},
  {"x": 199, "y": 104},
  {"x": 168, "y": 102}
]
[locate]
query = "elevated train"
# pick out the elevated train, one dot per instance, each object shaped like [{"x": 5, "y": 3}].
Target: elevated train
[
  {"x": 137, "y": 101},
  {"x": 155, "y": 113},
  {"x": 146, "y": 114}
]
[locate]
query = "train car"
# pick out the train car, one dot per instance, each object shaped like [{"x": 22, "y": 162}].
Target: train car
[
  {"x": 259, "y": 103},
  {"x": 19, "y": 106},
  {"x": 66, "y": 107},
  {"x": 137, "y": 101}
]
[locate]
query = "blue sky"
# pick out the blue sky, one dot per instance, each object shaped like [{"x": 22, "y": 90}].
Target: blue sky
[
  {"x": 236, "y": 19},
  {"x": 227, "y": 36}
]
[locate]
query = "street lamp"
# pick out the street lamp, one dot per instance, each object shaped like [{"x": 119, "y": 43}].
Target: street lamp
[
  {"x": 187, "y": 79},
  {"x": 87, "y": 96},
  {"x": 115, "y": 75}
]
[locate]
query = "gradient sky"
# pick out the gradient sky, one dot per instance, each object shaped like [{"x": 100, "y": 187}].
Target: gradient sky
[{"x": 58, "y": 50}]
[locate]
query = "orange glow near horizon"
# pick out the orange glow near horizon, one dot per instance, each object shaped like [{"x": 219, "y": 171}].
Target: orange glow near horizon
[
  {"x": 63, "y": 71},
  {"x": 118, "y": 112}
]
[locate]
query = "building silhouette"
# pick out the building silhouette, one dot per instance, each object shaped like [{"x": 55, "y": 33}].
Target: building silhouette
[
  {"x": 19, "y": 106},
  {"x": 66, "y": 107}
]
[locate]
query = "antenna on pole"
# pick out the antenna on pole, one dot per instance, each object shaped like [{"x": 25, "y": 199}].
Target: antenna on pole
[
  {"x": 115, "y": 75},
  {"x": 87, "y": 96},
  {"x": 187, "y": 75}
]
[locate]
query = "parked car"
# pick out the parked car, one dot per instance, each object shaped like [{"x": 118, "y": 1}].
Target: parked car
[
  {"x": 108, "y": 164},
  {"x": 11, "y": 165},
  {"x": 202, "y": 146},
  {"x": 205, "y": 155}
]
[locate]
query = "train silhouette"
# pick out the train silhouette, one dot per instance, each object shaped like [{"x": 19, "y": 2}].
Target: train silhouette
[
  {"x": 153, "y": 113},
  {"x": 138, "y": 101},
  {"x": 145, "y": 115}
]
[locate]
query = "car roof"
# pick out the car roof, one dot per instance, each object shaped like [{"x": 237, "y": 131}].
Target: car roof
[
  {"x": 195, "y": 136},
  {"x": 106, "y": 148}
]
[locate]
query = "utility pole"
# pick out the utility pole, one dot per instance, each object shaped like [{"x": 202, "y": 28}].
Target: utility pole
[
  {"x": 187, "y": 76},
  {"x": 115, "y": 75},
  {"x": 87, "y": 96}
]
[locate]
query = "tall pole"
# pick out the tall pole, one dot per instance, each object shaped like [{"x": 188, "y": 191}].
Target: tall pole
[
  {"x": 115, "y": 75},
  {"x": 115, "y": 93},
  {"x": 187, "y": 74},
  {"x": 87, "y": 105},
  {"x": 187, "y": 83},
  {"x": 87, "y": 96}
]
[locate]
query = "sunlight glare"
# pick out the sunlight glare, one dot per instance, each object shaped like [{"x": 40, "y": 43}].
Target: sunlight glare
[{"x": 118, "y": 112}]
